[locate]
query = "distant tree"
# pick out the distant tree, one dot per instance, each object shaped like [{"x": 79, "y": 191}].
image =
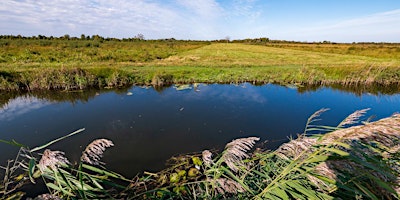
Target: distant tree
[
  {"x": 83, "y": 37},
  {"x": 97, "y": 38},
  {"x": 227, "y": 39},
  {"x": 65, "y": 37},
  {"x": 139, "y": 36}
]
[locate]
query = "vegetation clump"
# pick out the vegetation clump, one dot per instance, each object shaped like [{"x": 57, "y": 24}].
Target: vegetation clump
[{"x": 347, "y": 162}]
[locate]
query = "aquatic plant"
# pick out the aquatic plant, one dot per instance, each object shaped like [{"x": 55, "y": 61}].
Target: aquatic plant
[
  {"x": 356, "y": 162},
  {"x": 62, "y": 179}
]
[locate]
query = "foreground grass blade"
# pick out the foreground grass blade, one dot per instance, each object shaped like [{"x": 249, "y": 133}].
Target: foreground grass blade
[
  {"x": 32, "y": 165},
  {"x": 56, "y": 140},
  {"x": 13, "y": 143}
]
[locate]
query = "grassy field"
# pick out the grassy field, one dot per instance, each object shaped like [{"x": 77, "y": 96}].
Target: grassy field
[{"x": 80, "y": 64}]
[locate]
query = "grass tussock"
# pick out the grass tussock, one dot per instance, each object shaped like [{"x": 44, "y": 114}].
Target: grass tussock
[{"x": 354, "y": 160}]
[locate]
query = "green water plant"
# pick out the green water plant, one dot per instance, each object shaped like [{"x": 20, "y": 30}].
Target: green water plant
[
  {"x": 354, "y": 160},
  {"x": 347, "y": 162},
  {"x": 87, "y": 180}
]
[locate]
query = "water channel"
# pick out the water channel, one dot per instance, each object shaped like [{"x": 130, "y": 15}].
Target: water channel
[{"x": 149, "y": 125}]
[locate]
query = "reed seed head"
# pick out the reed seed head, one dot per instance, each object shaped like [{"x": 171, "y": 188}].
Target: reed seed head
[
  {"x": 353, "y": 118},
  {"x": 236, "y": 150},
  {"x": 296, "y": 147},
  {"x": 94, "y": 151},
  {"x": 52, "y": 159},
  {"x": 207, "y": 157},
  {"x": 224, "y": 185},
  {"x": 314, "y": 116}
]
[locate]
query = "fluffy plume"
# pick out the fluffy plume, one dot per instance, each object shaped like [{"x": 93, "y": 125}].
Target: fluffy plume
[
  {"x": 94, "y": 151},
  {"x": 296, "y": 147},
  {"x": 314, "y": 116},
  {"x": 224, "y": 185},
  {"x": 47, "y": 197},
  {"x": 383, "y": 131},
  {"x": 52, "y": 159},
  {"x": 353, "y": 118},
  {"x": 236, "y": 150},
  {"x": 207, "y": 157}
]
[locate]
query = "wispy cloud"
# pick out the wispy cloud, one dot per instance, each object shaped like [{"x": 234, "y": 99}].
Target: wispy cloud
[
  {"x": 20, "y": 106},
  {"x": 378, "y": 27},
  {"x": 205, "y": 19},
  {"x": 185, "y": 19},
  {"x": 204, "y": 8},
  {"x": 116, "y": 18}
]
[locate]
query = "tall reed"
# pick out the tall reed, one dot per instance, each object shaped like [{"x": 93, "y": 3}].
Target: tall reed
[{"x": 354, "y": 160}]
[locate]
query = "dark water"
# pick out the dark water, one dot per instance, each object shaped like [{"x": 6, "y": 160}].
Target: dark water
[{"x": 149, "y": 126}]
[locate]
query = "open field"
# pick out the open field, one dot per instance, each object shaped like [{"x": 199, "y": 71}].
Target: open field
[{"x": 79, "y": 64}]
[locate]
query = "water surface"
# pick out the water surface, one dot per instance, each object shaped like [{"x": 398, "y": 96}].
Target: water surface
[{"x": 149, "y": 126}]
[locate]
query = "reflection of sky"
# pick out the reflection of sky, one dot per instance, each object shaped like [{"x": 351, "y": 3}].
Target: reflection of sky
[
  {"x": 230, "y": 93},
  {"x": 19, "y": 106}
]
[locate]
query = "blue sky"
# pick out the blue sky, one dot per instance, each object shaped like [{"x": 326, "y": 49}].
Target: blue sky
[{"x": 299, "y": 20}]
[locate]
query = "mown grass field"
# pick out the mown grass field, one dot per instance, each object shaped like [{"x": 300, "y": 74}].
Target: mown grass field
[{"x": 79, "y": 64}]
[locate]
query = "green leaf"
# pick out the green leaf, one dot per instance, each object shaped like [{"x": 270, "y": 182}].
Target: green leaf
[
  {"x": 366, "y": 191},
  {"x": 56, "y": 140},
  {"x": 104, "y": 172},
  {"x": 83, "y": 187},
  {"x": 382, "y": 184},
  {"x": 65, "y": 179},
  {"x": 317, "y": 159},
  {"x": 32, "y": 165},
  {"x": 93, "y": 180},
  {"x": 269, "y": 196},
  {"x": 296, "y": 195},
  {"x": 342, "y": 144},
  {"x": 55, "y": 187},
  {"x": 197, "y": 161},
  {"x": 13, "y": 143},
  {"x": 280, "y": 193},
  {"x": 325, "y": 179},
  {"x": 305, "y": 191},
  {"x": 112, "y": 184},
  {"x": 337, "y": 151}
]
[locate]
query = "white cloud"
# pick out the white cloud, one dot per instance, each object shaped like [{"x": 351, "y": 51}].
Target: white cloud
[
  {"x": 115, "y": 18},
  {"x": 183, "y": 19},
  {"x": 20, "y": 106},
  {"x": 378, "y": 27},
  {"x": 204, "y": 8},
  {"x": 203, "y": 19}
]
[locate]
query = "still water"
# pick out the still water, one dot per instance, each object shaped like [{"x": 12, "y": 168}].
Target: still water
[{"x": 149, "y": 126}]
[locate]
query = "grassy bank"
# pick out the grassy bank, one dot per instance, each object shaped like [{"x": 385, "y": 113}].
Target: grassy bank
[
  {"x": 69, "y": 65},
  {"x": 348, "y": 162}
]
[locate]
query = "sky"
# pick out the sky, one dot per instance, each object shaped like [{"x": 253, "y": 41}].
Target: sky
[{"x": 294, "y": 20}]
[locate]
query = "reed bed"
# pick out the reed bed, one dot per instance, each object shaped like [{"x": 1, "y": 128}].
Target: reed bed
[{"x": 355, "y": 160}]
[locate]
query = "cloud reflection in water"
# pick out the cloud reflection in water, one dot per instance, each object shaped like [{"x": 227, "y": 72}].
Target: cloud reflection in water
[{"x": 19, "y": 106}]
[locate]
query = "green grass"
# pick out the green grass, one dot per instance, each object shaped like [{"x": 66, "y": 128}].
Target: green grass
[{"x": 27, "y": 64}]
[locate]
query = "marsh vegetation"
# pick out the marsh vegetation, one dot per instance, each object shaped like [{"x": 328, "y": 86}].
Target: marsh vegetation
[
  {"x": 324, "y": 162},
  {"x": 346, "y": 162},
  {"x": 73, "y": 64}
]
